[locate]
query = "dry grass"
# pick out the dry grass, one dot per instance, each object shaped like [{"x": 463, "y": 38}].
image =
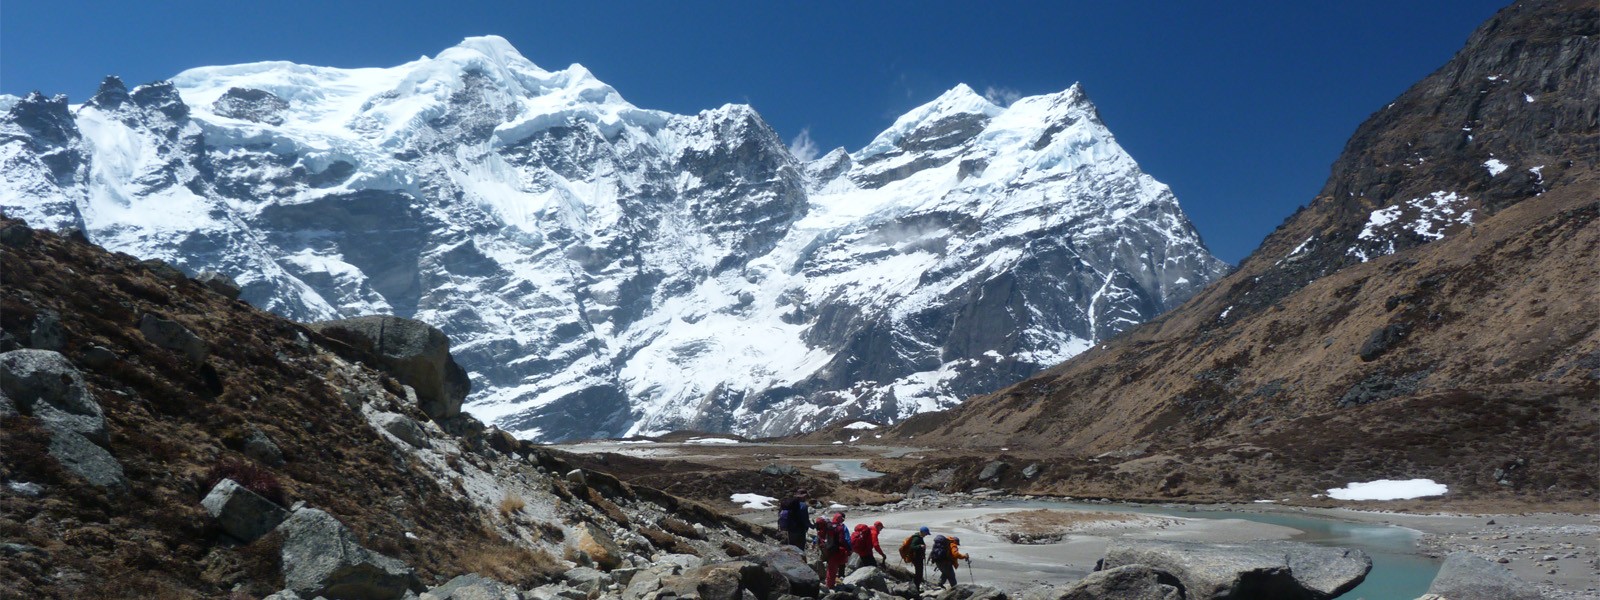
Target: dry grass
[
  {"x": 511, "y": 504},
  {"x": 510, "y": 564},
  {"x": 1049, "y": 522}
]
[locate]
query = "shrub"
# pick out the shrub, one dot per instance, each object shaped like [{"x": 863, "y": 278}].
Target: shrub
[
  {"x": 511, "y": 504},
  {"x": 248, "y": 475}
]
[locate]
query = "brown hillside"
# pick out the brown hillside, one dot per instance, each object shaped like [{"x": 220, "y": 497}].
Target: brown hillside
[{"x": 1447, "y": 359}]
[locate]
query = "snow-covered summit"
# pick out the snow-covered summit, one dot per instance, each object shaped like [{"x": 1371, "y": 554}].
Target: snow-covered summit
[{"x": 606, "y": 270}]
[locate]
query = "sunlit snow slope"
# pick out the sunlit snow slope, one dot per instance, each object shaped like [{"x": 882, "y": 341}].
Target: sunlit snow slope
[{"x": 604, "y": 269}]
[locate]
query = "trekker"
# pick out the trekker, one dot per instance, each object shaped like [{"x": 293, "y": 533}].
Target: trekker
[
  {"x": 794, "y": 517},
  {"x": 861, "y": 544},
  {"x": 821, "y": 527},
  {"x": 835, "y": 542},
  {"x": 945, "y": 555},
  {"x": 914, "y": 551},
  {"x": 877, "y": 528}
]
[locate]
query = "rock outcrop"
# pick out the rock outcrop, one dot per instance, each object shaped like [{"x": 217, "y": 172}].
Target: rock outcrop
[
  {"x": 1466, "y": 576},
  {"x": 414, "y": 352},
  {"x": 1128, "y": 582},
  {"x": 244, "y": 514}
]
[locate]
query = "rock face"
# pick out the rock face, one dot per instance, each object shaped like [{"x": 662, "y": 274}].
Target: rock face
[
  {"x": 414, "y": 352},
  {"x": 321, "y": 558},
  {"x": 1263, "y": 570},
  {"x": 607, "y": 269},
  {"x": 244, "y": 514},
  {"x": 1465, "y": 576},
  {"x": 1130, "y": 582},
  {"x": 172, "y": 335}
]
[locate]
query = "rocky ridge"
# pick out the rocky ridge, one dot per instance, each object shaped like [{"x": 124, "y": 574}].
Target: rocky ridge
[
  {"x": 1430, "y": 314},
  {"x": 645, "y": 270}
]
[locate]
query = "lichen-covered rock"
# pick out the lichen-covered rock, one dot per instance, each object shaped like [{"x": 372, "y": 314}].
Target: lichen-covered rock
[
  {"x": 244, "y": 514},
  {"x": 402, "y": 427},
  {"x": 472, "y": 587},
  {"x": 790, "y": 563},
  {"x": 598, "y": 545},
  {"x": 80, "y": 456},
  {"x": 320, "y": 557},
  {"x": 869, "y": 578}
]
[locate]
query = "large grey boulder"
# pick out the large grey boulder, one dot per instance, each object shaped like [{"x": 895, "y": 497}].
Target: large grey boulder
[
  {"x": 260, "y": 447},
  {"x": 402, "y": 427},
  {"x": 172, "y": 335},
  {"x": 244, "y": 514},
  {"x": 709, "y": 582},
  {"x": 472, "y": 587},
  {"x": 413, "y": 352},
  {"x": 789, "y": 563},
  {"x": 589, "y": 580},
  {"x": 321, "y": 558},
  {"x": 1466, "y": 576},
  {"x": 1131, "y": 582},
  {"x": 80, "y": 456},
  {"x": 1236, "y": 571},
  {"x": 42, "y": 384},
  {"x": 967, "y": 591},
  {"x": 993, "y": 471},
  {"x": 868, "y": 578}
]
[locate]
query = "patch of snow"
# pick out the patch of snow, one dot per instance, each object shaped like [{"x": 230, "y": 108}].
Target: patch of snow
[
  {"x": 861, "y": 425},
  {"x": 753, "y": 501},
  {"x": 1494, "y": 166},
  {"x": 1225, "y": 312},
  {"x": 1389, "y": 489},
  {"x": 1528, "y": 98},
  {"x": 712, "y": 440}
]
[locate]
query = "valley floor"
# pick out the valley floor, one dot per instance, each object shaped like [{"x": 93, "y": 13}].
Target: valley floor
[{"x": 1558, "y": 551}]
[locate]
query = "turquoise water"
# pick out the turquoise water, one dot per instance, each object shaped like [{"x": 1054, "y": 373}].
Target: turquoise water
[
  {"x": 848, "y": 470},
  {"x": 1399, "y": 572}
]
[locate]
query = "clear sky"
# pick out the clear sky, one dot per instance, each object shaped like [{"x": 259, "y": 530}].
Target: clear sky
[{"x": 1241, "y": 107}]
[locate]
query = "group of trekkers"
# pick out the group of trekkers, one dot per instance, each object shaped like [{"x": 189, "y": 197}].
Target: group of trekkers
[{"x": 836, "y": 543}]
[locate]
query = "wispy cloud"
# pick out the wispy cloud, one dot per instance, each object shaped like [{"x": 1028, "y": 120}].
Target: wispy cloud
[
  {"x": 1003, "y": 96},
  {"x": 803, "y": 147}
]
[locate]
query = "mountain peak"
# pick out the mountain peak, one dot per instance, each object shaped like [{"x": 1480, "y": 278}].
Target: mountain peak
[{"x": 958, "y": 102}]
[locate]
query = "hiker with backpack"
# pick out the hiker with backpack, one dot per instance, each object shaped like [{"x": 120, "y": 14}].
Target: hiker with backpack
[
  {"x": 861, "y": 545},
  {"x": 834, "y": 539},
  {"x": 945, "y": 555},
  {"x": 914, "y": 552},
  {"x": 794, "y": 517}
]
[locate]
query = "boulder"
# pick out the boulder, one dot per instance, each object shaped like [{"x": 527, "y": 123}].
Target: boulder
[
  {"x": 42, "y": 384},
  {"x": 320, "y": 557},
  {"x": 413, "y": 352},
  {"x": 789, "y": 563},
  {"x": 97, "y": 357},
  {"x": 161, "y": 269},
  {"x": 779, "y": 470},
  {"x": 172, "y": 335},
  {"x": 709, "y": 582},
  {"x": 588, "y": 580},
  {"x": 47, "y": 332},
  {"x": 7, "y": 407},
  {"x": 284, "y": 595},
  {"x": 554, "y": 591},
  {"x": 967, "y": 591},
  {"x": 993, "y": 471},
  {"x": 1466, "y": 576},
  {"x": 261, "y": 448},
  {"x": 244, "y": 514},
  {"x": 576, "y": 477},
  {"x": 472, "y": 587},
  {"x": 598, "y": 545},
  {"x": 82, "y": 457},
  {"x": 1232, "y": 571},
  {"x": 645, "y": 583},
  {"x": 220, "y": 284},
  {"x": 1131, "y": 582},
  {"x": 402, "y": 427},
  {"x": 16, "y": 235},
  {"x": 1031, "y": 471},
  {"x": 868, "y": 578}
]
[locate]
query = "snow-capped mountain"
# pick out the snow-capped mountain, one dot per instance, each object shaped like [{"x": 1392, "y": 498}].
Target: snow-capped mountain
[{"x": 604, "y": 269}]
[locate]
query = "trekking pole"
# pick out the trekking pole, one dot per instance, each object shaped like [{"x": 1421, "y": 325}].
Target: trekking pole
[{"x": 970, "y": 577}]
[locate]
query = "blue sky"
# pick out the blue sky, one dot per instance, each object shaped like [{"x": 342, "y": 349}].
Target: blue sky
[{"x": 1241, "y": 107}]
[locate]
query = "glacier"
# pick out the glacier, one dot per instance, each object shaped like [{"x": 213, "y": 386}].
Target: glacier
[{"x": 607, "y": 270}]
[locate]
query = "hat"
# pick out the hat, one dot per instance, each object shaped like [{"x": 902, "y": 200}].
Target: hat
[
  {"x": 924, "y": 531},
  {"x": 838, "y": 517},
  {"x": 877, "y": 524}
]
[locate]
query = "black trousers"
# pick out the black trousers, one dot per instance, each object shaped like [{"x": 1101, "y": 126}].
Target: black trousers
[
  {"x": 916, "y": 564},
  {"x": 947, "y": 572},
  {"x": 798, "y": 539}
]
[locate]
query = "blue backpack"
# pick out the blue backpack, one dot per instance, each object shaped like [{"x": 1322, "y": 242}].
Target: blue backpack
[{"x": 941, "y": 549}]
